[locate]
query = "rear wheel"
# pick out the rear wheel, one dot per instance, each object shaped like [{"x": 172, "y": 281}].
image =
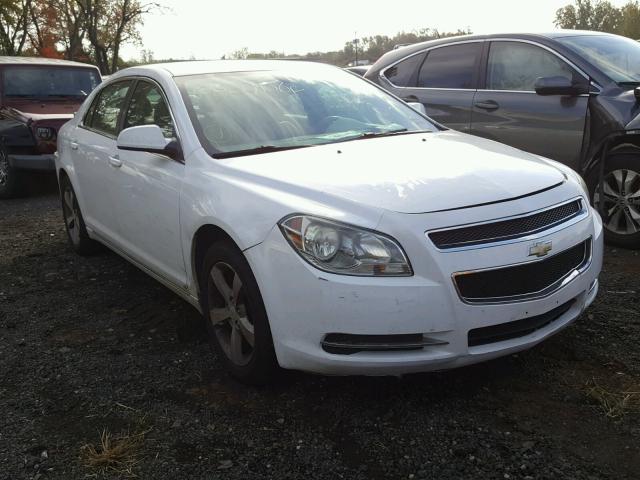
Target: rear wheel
[
  {"x": 73, "y": 221},
  {"x": 621, "y": 209},
  {"x": 237, "y": 323},
  {"x": 10, "y": 178}
]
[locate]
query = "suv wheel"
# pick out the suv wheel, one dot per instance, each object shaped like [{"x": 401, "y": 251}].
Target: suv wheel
[
  {"x": 621, "y": 209},
  {"x": 9, "y": 176},
  {"x": 73, "y": 221},
  {"x": 237, "y": 323}
]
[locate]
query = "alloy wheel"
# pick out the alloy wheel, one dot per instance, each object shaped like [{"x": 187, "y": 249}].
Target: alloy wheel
[
  {"x": 4, "y": 167},
  {"x": 621, "y": 201},
  {"x": 71, "y": 214},
  {"x": 228, "y": 314}
]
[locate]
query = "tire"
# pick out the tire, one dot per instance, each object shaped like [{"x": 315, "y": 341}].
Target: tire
[
  {"x": 74, "y": 222},
  {"x": 622, "y": 199},
  {"x": 235, "y": 316},
  {"x": 10, "y": 178}
]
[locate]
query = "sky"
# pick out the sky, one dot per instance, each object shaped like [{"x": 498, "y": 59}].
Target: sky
[{"x": 208, "y": 29}]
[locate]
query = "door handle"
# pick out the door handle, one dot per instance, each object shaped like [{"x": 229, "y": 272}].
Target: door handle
[
  {"x": 114, "y": 161},
  {"x": 73, "y": 144},
  {"x": 488, "y": 105},
  {"x": 411, "y": 99}
]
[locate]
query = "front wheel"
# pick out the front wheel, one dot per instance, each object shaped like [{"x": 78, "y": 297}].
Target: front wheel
[
  {"x": 237, "y": 323},
  {"x": 10, "y": 178},
  {"x": 621, "y": 209}
]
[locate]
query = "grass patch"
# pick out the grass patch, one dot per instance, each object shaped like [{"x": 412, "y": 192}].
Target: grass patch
[
  {"x": 114, "y": 453},
  {"x": 615, "y": 402}
]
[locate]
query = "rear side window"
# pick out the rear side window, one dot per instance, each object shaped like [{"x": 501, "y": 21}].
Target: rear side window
[
  {"x": 148, "y": 107},
  {"x": 450, "y": 67},
  {"x": 104, "y": 112},
  {"x": 517, "y": 66},
  {"x": 402, "y": 73}
]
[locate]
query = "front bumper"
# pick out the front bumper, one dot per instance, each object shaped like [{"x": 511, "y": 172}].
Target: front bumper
[
  {"x": 45, "y": 162},
  {"x": 304, "y": 305}
]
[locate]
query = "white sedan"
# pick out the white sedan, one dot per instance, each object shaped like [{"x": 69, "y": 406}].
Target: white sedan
[{"x": 321, "y": 224}]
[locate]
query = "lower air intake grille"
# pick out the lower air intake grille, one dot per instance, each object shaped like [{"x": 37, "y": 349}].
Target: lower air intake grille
[
  {"x": 524, "y": 280},
  {"x": 518, "y": 328},
  {"x": 505, "y": 229}
]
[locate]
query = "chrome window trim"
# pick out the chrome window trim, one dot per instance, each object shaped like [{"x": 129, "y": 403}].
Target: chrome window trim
[
  {"x": 581, "y": 215},
  {"x": 420, "y": 52},
  {"x": 545, "y": 292}
]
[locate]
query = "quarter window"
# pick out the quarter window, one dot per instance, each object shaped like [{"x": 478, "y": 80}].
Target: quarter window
[
  {"x": 450, "y": 67},
  {"x": 517, "y": 66},
  {"x": 402, "y": 74},
  {"x": 148, "y": 107},
  {"x": 104, "y": 112}
]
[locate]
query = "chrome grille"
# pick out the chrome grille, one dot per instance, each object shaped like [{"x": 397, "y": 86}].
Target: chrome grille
[
  {"x": 522, "y": 281},
  {"x": 505, "y": 229}
]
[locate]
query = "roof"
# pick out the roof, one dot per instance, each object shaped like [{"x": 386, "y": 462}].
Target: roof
[
  {"x": 4, "y": 60},
  {"x": 198, "y": 67}
]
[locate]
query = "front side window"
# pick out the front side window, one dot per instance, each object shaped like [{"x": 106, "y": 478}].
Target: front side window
[
  {"x": 450, "y": 67},
  {"x": 148, "y": 107},
  {"x": 517, "y": 66},
  {"x": 303, "y": 106},
  {"x": 44, "y": 82},
  {"x": 104, "y": 112},
  {"x": 402, "y": 74}
]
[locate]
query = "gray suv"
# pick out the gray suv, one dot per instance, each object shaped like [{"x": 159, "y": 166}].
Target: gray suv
[{"x": 571, "y": 96}]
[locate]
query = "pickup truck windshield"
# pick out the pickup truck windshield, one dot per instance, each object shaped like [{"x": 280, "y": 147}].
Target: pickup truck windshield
[
  {"x": 36, "y": 81},
  {"x": 617, "y": 57},
  {"x": 251, "y": 112}
]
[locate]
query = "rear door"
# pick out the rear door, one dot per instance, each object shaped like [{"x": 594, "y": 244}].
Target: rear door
[
  {"x": 443, "y": 79},
  {"x": 93, "y": 144},
  {"x": 506, "y": 108}
]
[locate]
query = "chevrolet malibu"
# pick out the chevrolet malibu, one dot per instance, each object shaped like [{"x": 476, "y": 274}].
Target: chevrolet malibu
[{"x": 321, "y": 224}]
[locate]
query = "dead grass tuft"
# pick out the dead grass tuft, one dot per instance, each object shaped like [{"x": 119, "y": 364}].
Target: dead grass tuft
[
  {"x": 117, "y": 454},
  {"x": 615, "y": 402}
]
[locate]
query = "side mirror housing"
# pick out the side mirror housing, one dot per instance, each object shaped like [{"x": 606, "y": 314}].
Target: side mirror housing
[
  {"x": 559, "y": 86},
  {"x": 150, "y": 139},
  {"x": 418, "y": 107}
]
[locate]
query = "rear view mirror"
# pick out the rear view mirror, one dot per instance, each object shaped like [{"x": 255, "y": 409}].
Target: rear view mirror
[
  {"x": 418, "y": 107},
  {"x": 148, "y": 138},
  {"x": 559, "y": 86}
]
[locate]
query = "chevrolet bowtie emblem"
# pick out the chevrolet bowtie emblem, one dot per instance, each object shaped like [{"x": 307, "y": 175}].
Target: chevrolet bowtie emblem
[{"x": 540, "y": 249}]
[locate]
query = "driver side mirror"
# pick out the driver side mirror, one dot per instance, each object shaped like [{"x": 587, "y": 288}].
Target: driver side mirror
[
  {"x": 150, "y": 139},
  {"x": 418, "y": 107},
  {"x": 559, "y": 86}
]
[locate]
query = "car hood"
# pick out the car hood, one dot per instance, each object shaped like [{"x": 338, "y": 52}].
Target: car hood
[
  {"x": 414, "y": 173},
  {"x": 36, "y": 109}
]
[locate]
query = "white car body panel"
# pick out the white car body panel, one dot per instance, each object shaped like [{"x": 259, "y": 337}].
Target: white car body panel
[{"x": 150, "y": 208}]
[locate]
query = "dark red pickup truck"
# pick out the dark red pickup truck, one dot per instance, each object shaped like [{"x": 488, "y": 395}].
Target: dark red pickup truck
[{"x": 37, "y": 96}]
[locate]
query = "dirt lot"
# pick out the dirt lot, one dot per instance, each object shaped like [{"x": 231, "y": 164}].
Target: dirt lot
[{"x": 92, "y": 345}]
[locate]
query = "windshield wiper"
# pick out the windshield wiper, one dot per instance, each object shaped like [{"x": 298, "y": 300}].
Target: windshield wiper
[
  {"x": 387, "y": 133},
  {"x": 257, "y": 150}
]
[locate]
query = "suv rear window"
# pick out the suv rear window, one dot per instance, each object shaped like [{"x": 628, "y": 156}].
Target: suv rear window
[
  {"x": 36, "y": 81},
  {"x": 450, "y": 67}
]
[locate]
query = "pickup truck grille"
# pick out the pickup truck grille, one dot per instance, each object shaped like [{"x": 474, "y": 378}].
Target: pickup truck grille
[
  {"x": 505, "y": 229},
  {"x": 522, "y": 281}
]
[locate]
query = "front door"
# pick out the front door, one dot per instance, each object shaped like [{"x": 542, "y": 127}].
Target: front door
[
  {"x": 508, "y": 109},
  {"x": 148, "y": 190}
]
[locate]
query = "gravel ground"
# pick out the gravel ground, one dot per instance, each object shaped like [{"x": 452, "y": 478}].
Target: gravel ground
[{"x": 93, "y": 345}]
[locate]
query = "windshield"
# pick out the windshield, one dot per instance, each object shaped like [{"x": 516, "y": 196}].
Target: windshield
[
  {"x": 49, "y": 81},
  {"x": 617, "y": 57},
  {"x": 261, "y": 111}
]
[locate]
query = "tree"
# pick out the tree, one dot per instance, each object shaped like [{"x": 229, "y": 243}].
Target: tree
[
  {"x": 14, "y": 26},
  {"x": 109, "y": 24},
  {"x": 600, "y": 15},
  {"x": 630, "y": 22}
]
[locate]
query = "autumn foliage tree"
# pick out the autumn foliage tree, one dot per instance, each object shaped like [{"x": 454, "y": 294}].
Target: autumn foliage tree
[{"x": 84, "y": 30}]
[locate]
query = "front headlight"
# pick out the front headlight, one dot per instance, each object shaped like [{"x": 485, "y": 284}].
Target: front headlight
[{"x": 344, "y": 249}]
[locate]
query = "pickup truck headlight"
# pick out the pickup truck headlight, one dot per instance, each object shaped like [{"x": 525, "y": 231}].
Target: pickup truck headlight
[{"x": 344, "y": 249}]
